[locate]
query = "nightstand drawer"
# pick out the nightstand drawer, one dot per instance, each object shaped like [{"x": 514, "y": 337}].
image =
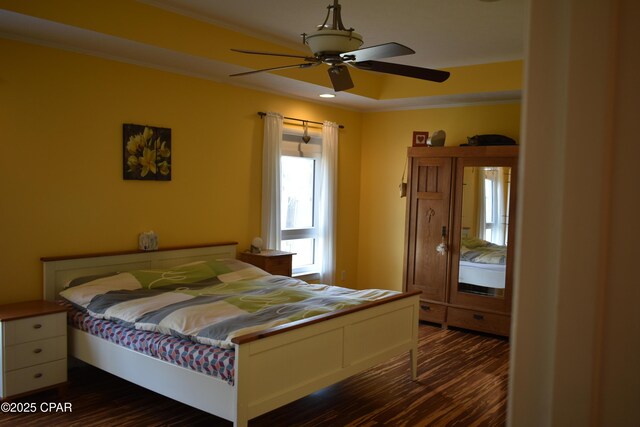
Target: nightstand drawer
[
  {"x": 35, "y": 377},
  {"x": 34, "y": 353},
  {"x": 479, "y": 321},
  {"x": 34, "y": 328},
  {"x": 280, "y": 266},
  {"x": 271, "y": 261}
]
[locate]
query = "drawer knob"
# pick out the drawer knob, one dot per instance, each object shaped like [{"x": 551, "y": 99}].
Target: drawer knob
[
  {"x": 38, "y": 375},
  {"x": 37, "y": 350},
  {"x": 425, "y": 307},
  {"x": 37, "y": 326},
  {"x": 478, "y": 316}
]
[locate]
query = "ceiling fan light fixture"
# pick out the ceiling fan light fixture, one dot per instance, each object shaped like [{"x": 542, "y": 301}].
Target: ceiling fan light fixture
[
  {"x": 333, "y": 41},
  {"x": 327, "y": 95}
]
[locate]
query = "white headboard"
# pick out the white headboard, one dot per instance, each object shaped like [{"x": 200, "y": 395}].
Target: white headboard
[{"x": 59, "y": 270}]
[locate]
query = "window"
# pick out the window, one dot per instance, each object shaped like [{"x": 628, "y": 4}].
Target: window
[{"x": 299, "y": 175}]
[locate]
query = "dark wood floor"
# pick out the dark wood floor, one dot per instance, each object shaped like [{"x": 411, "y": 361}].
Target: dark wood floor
[{"x": 462, "y": 382}]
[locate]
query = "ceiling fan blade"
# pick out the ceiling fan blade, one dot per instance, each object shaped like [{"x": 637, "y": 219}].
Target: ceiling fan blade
[
  {"x": 403, "y": 70},
  {"x": 340, "y": 77},
  {"x": 285, "y": 55},
  {"x": 386, "y": 50},
  {"x": 284, "y": 67}
]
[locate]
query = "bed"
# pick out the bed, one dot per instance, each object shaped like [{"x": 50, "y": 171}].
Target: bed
[
  {"x": 272, "y": 367},
  {"x": 482, "y": 263}
]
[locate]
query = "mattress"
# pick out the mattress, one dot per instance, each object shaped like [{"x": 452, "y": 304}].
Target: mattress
[
  {"x": 209, "y": 302},
  {"x": 210, "y": 360},
  {"x": 189, "y": 314},
  {"x": 488, "y": 275}
]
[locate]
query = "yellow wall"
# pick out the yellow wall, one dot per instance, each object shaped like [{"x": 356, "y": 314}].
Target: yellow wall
[
  {"x": 385, "y": 137},
  {"x": 62, "y": 191}
]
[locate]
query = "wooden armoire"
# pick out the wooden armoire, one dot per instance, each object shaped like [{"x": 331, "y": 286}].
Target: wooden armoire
[{"x": 460, "y": 234}]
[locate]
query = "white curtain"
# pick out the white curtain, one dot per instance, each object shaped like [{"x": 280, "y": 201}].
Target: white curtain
[
  {"x": 271, "y": 150},
  {"x": 328, "y": 198},
  {"x": 492, "y": 223},
  {"x": 499, "y": 206},
  {"x": 482, "y": 214}
]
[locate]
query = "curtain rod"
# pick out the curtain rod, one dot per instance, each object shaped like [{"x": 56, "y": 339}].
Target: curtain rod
[{"x": 261, "y": 114}]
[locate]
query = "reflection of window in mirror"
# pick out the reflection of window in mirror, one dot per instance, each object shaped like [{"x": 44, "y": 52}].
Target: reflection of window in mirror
[{"x": 485, "y": 203}]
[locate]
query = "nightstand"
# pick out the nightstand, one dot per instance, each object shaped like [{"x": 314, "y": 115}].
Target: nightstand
[
  {"x": 33, "y": 353},
  {"x": 271, "y": 261}
]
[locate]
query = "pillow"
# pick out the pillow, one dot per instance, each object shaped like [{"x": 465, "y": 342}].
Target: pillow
[
  {"x": 80, "y": 291},
  {"x": 81, "y": 294},
  {"x": 474, "y": 242},
  {"x": 84, "y": 279}
]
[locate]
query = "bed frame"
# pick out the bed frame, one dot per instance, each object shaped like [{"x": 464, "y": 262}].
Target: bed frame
[{"x": 272, "y": 367}]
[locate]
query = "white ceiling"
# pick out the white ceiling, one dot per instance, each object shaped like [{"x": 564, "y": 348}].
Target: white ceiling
[{"x": 444, "y": 33}]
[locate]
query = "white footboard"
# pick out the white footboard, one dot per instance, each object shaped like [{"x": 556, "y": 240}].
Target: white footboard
[{"x": 276, "y": 370}]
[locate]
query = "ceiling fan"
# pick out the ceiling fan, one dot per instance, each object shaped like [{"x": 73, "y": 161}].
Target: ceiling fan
[{"x": 338, "y": 47}]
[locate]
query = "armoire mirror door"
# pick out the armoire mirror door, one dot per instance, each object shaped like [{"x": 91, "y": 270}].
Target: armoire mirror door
[{"x": 483, "y": 232}]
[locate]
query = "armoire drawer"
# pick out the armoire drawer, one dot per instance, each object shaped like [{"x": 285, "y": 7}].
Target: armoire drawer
[
  {"x": 430, "y": 312},
  {"x": 479, "y": 321}
]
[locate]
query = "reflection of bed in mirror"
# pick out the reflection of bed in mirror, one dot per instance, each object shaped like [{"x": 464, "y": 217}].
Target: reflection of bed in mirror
[
  {"x": 487, "y": 275},
  {"x": 482, "y": 265}
]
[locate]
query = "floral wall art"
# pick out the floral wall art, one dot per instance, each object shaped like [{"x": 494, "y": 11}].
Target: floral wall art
[{"x": 146, "y": 152}]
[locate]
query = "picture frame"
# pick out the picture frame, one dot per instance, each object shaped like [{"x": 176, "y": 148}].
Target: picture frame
[
  {"x": 146, "y": 153},
  {"x": 420, "y": 138}
]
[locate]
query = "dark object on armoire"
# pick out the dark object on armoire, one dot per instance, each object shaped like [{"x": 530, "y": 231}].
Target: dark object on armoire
[{"x": 490, "y": 139}]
